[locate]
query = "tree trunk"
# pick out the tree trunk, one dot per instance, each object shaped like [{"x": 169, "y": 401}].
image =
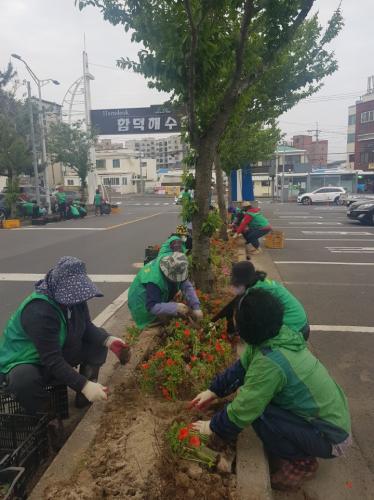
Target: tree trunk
[
  {"x": 221, "y": 198},
  {"x": 201, "y": 243}
]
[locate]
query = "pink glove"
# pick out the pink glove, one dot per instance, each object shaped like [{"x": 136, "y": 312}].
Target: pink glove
[{"x": 119, "y": 348}]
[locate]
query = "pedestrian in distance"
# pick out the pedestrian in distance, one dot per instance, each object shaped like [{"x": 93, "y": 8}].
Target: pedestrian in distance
[
  {"x": 152, "y": 293},
  {"x": 286, "y": 394},
  {"x": 176, "y": 242},
  {"x": 50, "y": 333},
  {"x": 98, "y": 203},
  {"x": 61, "y": 202},
  {"x": 253, "y": 226}
]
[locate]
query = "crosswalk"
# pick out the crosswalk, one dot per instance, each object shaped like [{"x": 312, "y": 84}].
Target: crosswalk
[{"x": 129, "y": 204}]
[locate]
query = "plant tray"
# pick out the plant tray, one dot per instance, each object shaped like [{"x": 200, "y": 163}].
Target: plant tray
[
  {"x": 275, "y": 239},
  {"x": 11, "y": 223}
]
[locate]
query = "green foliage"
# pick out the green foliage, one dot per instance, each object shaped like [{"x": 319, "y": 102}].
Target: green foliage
[
  {"x": 70, "y": 145},
  {"x": 11, "y": 196},
  {"x": 212, "y": 223},
  {"x": 133, "y": 333},
  {"x": 189, "y": 209},
  {"x": 188, "y": 180}
]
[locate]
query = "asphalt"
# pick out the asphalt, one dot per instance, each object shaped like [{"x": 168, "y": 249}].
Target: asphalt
[
  {"x": 109, "y": 245},
  {"x": 336, "y": 296}
]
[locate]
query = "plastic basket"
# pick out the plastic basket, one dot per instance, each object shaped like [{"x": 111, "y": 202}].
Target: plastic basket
[
  {"x": 11, "y": 223},
  {"x": 275, "y": 239},
  {"x": 13, "y": 479},
  {"x": 59, "y": 404}
]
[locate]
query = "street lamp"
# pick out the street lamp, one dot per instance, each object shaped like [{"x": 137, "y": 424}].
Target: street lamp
[{"x": 40, "y": 84}]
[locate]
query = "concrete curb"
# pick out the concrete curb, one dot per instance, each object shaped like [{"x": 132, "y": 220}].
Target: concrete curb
[
  {"x": 69, "y": 458},
  {"x": 252, "y": 468}
]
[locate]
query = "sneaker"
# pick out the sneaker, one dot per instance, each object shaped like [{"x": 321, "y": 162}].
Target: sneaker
[{"x": 256, "y": 251}]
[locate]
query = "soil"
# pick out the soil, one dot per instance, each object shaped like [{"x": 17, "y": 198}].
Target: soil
[{"x": 130, "y": 460}]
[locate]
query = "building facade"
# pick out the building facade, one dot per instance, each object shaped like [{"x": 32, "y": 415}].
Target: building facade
[
  {"x": 168, "y": 152},
  {"x": 316, "y": 151},
  {"x": 360, "y": 133}
]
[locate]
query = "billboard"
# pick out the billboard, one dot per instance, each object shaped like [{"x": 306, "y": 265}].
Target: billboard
[{"x": 152, "y": 120}]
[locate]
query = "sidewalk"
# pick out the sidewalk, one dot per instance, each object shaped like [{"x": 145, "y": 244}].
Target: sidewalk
[{"x": 338, "y": 479}]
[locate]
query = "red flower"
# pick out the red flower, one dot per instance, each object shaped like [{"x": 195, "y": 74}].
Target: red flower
[
  {"x": 169, "y": 362},
  {"x": 177, "y": 324},
  {"x": 203, "y": 355},
  {"x": 165, "y": 393},
  {"x": 160, "y": 354},
  {"x": 193, "y": 358},
  {"x": 219, "y": 348},
  {"x": 210, "y": 358},
  {"x": 145, "y": 366},
  {"x": 194, "y": 442},
  {"x": 183, "y": 433},
  {"x": 224, "y": 336},
  {"x": 187, "y": 332}
]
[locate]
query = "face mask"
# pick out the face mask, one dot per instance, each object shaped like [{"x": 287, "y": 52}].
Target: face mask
[
  {"x": 184, "y": 239},
  {"x": 238, "y": 290}
]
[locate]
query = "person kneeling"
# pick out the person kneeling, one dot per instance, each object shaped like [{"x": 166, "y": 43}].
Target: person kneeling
[
  {"x": 152, "y": 293},
  {"x": 286, "y": 394}
]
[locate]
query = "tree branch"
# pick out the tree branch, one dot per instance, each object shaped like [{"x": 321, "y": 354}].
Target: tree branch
[
  {"x": 249, "y": 12},
  {"x": 192, "y": 74}
]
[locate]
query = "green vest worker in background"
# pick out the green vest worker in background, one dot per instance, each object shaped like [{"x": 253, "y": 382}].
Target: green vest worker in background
[
  {"x": 152, "y": 293},
  {"x": 254, "y": 225},
  {"x": 50, "y": 333},
  {"x": 286, "y": 394},
  {"x": 98, "y": 202},
  {"x": 176, "y": 242},
  {"x": 61, "y": 202}
]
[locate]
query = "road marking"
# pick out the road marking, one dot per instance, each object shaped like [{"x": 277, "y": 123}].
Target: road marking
[
  {"x": 324, "y": 283},
  {"x": 316, "y": 263},
  {"x": 49, "y": 228},
  {"x": 342, "y": 328},
  {"x": 328, "y": 239},
  {"x": 365, "y": 250},
  {"x": 343, "y": 233},
  {"x": 132, "y": 221},
  {"x": 318, "y": 223},
  {"x": 97, "y": 278},
  {"x": 300, "y": 216},
  {"x": 110, "y": 310}
]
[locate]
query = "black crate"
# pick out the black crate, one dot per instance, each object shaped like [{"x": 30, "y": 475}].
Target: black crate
[
  {"x": 59, "y": 405},
  {"x": 150, "y": 254},
  {"x": 13, "y": 477}
]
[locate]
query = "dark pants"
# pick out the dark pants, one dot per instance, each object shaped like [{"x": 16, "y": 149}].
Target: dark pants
[
  {"x": 99, "y": 209},
  {"x": 252, "y": 236},
  {"x": 27, "y": 382},
  {"x": 288, "y": 436},
  {"x": 62, "y": 210}
]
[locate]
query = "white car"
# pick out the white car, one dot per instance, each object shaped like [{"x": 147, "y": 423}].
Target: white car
[{"x": 322, "y": 195}]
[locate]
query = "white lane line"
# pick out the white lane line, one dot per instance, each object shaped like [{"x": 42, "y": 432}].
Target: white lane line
[
  {"x": 324, "y": 283},
  {"x": 318, "y": 223},
  {"x": 300, "y": 216},
  {"x": 51, "y": 228},
  {"x": 342, "y": 328},
  {"x": 329, "y": 239},
  {"x": 311, "y": 262},
  {"x": 302, "y": 227},
  {"x": 110, "y": 310},
  {"x": 343, "y": 233},
  {"x": 365, "y": 250},
  {"x": 97, "y": 278}
]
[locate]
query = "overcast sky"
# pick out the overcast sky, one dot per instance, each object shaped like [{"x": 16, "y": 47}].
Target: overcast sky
[{"x": 49, "y": 35}]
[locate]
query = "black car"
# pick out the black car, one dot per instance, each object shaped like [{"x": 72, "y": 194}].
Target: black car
[{"x": 362, "y": 211}]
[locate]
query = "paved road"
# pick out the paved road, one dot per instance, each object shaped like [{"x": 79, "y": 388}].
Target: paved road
[
  {"x": 328, "y": 263},
  {"x": 109, "y": 245}
]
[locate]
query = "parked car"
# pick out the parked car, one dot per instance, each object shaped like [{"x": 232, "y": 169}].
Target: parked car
[
  {"x": 4, "y": 212},
  {"x": 362, "y": 211},
  {"x": 322, "y": 195},
  {"x": 348, "y": 199}
]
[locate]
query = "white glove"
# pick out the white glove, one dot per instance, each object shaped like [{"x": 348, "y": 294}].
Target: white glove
[
  {"x": 95, "y": 392},
  {"x": 203, "y": 400},
  {"x": 119, "y": 348},
  {"x": 235, "y": 235},
  {"x": 182, "y": 309},
  {"x": 197, "y": 314},
  {"x": 203, "y": 427},
  {"x": 109, "y": 341}
]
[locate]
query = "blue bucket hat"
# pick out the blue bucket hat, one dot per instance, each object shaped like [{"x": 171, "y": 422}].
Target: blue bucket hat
[{"x": 67, "y": 283}]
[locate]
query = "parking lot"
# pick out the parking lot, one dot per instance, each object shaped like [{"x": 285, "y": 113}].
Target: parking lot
[{"x": 328, "y": 263}]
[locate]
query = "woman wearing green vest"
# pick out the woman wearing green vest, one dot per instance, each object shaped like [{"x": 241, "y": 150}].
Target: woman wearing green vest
[
  {"x": 152, "y": 293},
  {"x": 98, "y": 202},
  {"x": 176, "y": 242},
  {"x": 286, "y": 394},
  {"x": 50, "y": 333},
  {"x": 244, "y": 278},
  {"x": 61, "y": 202},
  {"x": 253, "y": 226}
]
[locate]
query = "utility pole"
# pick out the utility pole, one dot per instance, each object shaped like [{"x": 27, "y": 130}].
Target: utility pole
[
  {"x": 315, "y": 132},
  {"x": 34, "y": 158},
  {"x": 92, "y": 177}
]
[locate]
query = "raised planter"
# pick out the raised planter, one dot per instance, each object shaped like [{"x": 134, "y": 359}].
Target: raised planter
[{"x": 11, "y": 223}]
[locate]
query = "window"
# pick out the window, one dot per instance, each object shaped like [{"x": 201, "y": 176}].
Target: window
[
  {"x": 116, "y": 163},
  {"x": 124, "y": 181},
  {"x": 265, "y": 183},
  {"x": 111, "y": 181},
  {"x": 367, "y": 116},
  {"x": 100, "y": 164},
  {"x": 351, "y": 158},
  {"x": 70, "y": 182},
  {"x": 364, "y": 157},
  {"x": 352, "y": 120},
  {"x": 351, "y": 138}
]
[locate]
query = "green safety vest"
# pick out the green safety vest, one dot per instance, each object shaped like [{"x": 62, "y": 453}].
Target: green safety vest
[
  {"x": 165, "y": 247},
  {"x": 61, "y": 197},
  {"x": 150, "y": 273},
  {"x": 97, "y": 199},
  {"x": 16, "y": 348},
  {"x": 294, "y": 314},
  {"x": 258, "y": 220}
]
